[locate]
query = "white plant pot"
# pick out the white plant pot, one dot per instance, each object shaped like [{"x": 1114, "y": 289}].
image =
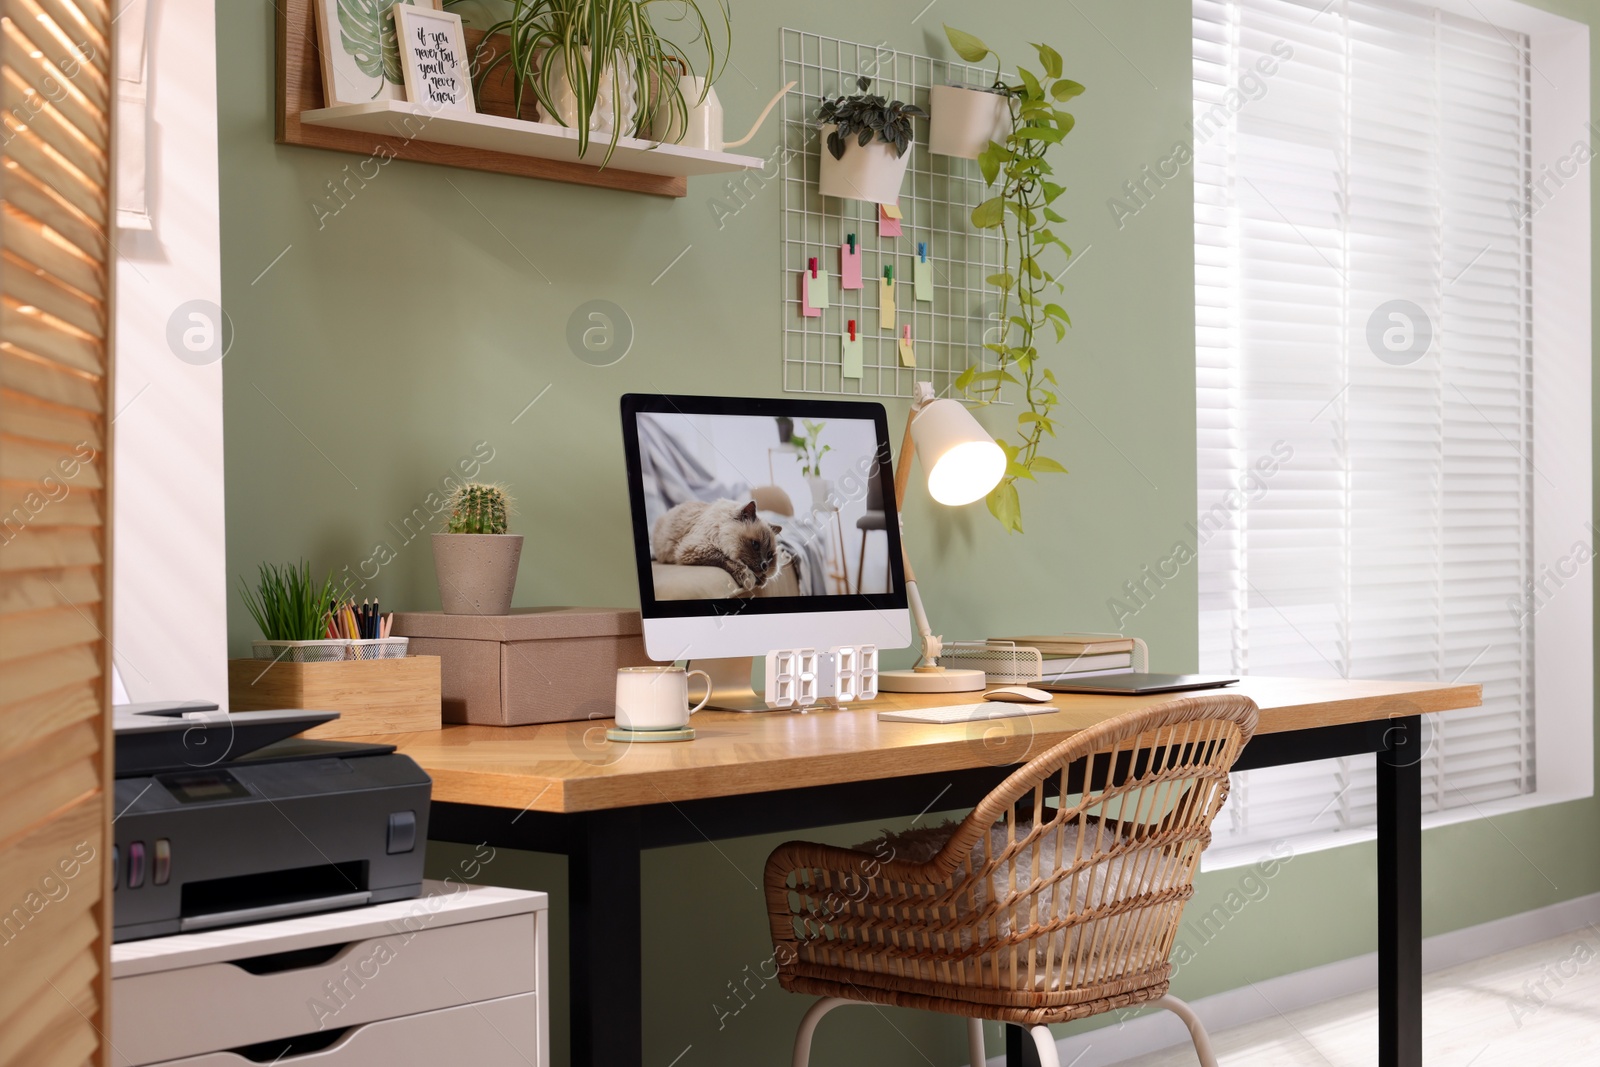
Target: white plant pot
[
  {"x": 704, "y": 126},
  {"x": 821, "y": 488},
  {"x": 964, "y": 121},
  {"x": 873, "y": 173},
  {"x": 477, "y": 572},
  {"x": 616, "y": 104}
]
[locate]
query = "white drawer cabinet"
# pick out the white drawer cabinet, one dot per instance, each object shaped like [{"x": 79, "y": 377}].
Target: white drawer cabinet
[{"x": 462, "y": 969}]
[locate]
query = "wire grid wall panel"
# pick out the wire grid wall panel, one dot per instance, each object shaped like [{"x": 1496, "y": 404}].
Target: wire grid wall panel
[{"x": 936, "y": 200}]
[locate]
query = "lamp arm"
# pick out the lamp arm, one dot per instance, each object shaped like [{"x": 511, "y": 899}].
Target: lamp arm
[{"x": 931, "y": 645}]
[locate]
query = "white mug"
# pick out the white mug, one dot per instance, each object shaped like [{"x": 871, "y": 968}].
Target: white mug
[{"x": 656, "y": 698}]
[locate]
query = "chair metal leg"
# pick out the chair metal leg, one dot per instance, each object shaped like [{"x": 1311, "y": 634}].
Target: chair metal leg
[
  {"x": 808, "y": 1027},
  {"x": 861, "y": 564},
  {"x": 1046, "y": 1046},
  {"x": 975, "y": 1051},
  {"x": 1197, "y": 1031}
]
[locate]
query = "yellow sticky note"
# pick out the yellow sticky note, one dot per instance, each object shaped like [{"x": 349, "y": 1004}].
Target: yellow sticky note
[
  {"x": 885, "y": 304},
  {"x": 850, "y": 358},
  {"x": 922, "y": 279},
  {"x": 908, "y": 354},
  {"x": 891, "y": 211},
  {"x": 819, "y": 290}
]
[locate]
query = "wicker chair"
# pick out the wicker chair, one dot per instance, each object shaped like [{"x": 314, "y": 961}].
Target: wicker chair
[{"x": 1057, "y": 898}]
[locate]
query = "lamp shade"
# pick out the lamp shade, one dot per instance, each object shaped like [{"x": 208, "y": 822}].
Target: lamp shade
[{"x": 962, "y": 460}]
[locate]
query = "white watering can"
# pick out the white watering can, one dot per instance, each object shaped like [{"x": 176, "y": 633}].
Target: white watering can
[{"x": 703, "y": 128}]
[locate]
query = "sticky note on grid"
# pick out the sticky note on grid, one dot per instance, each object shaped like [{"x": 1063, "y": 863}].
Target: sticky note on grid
[
  {"x": 850, "y": 357},
  {"x": 922, "y": 279},
  {"x": 908, "y": 354},
  {"x": 849, "y": 267},
  {"x": 885, "y": 304},
  {"x": 807, "y": 308},
  {"x": 888, "y": 220},
  {"x": 818, "y": 291}
]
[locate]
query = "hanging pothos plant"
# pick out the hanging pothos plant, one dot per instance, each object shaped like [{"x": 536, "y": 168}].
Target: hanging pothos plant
[{"x": 1021, "y": 210}]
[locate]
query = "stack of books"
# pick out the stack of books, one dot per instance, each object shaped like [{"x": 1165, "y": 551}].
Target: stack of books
[{"x": 1077, "y": 654}]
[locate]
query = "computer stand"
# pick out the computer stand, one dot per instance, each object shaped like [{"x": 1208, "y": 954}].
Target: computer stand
[{"x": 731, "y": 689}]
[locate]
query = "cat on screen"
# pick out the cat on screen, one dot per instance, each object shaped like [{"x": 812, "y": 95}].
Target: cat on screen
[{"x": 719, "y": 533}]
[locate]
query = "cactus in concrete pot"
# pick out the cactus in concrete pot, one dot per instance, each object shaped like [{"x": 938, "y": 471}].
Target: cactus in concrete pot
[{"x": 476, "y": 560}]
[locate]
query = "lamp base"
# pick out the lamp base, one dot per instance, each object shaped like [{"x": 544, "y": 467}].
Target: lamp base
[{"x": 940, "y": 680}]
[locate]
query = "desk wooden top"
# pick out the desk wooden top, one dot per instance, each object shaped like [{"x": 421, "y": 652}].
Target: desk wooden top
[{"x": 570, "y": 766}]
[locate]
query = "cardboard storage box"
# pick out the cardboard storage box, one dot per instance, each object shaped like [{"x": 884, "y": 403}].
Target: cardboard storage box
[
  {"x": 534, "y": 665},
  {"x": 372, "y": 696}
]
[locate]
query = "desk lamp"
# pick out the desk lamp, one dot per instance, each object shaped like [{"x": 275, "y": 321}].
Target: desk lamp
[{"x": 963, "y": 464}]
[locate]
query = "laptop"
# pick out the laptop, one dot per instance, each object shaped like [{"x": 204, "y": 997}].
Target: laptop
[{"x": 1134, "y": 684}]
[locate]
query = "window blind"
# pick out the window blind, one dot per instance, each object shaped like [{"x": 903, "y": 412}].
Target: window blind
[
  {"x": 55, "y": 732},
  {"x": 1363, "y": 373}
]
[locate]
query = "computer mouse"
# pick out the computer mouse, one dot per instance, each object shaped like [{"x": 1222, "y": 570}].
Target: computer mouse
[{"x": 1018, "y": 694}]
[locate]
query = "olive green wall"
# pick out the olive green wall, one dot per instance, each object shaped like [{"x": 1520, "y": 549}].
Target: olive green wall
[{"x": 427, "y": 312}]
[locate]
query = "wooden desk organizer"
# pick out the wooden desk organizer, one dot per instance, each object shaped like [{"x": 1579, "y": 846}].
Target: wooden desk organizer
[{"x": 379, "y": 696}]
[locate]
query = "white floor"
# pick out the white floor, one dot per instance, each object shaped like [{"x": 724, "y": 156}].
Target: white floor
[{"x": 1535, "y": 1005}]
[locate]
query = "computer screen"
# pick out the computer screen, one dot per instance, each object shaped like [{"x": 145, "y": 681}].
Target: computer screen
[{"x": 772, "y": 520}]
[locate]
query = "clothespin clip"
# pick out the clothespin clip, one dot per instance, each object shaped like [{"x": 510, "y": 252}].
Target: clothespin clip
[
  {"x": 922, "y": 251},
  {"x": 852, "y": 329},
  {"x": 813, "y": 267},
  {"x": 888, "y": 274},
  {"x": 851, "y": 238}
]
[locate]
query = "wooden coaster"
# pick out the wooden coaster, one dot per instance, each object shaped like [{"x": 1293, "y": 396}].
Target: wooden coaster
[{"x": 616, "y": 733}]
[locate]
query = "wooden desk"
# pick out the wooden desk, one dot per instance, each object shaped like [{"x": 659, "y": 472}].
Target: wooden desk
[{"x": 563, "y": 788}]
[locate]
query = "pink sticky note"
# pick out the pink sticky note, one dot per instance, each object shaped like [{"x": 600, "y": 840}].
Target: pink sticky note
[
  {"x": 805, "y": 297},
  {"x": 849, "y": 267},
  {"x": 888, "y": 221}
]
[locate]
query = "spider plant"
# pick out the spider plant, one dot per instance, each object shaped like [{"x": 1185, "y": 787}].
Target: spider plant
[
  {"x": 287, "y": 604},
  {"x": 588, "y": 39}
]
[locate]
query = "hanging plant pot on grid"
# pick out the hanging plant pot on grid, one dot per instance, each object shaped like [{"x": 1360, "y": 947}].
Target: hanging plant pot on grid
[
  {"x": 866, "y": 146},
  {"x": 966, "y": 119}
]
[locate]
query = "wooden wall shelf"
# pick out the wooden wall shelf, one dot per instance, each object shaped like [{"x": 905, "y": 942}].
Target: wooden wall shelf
[{"x": 490, "y": 139}]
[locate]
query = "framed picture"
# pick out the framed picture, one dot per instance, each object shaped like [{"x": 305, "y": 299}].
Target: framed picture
[
  {"x": 360, "y": 50},
  {"x": 433, "y": 56}
]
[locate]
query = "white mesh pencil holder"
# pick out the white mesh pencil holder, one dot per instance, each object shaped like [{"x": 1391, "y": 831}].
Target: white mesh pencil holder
[
  {"x": 335, "y": 651},
  {"x": 1008, "y": 663}
]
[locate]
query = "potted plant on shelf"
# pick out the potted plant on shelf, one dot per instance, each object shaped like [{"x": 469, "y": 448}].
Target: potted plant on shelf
[
  {"x": 811, "y": 450},
  {"x": 476, "y": 560},
  {"x": 601, "y": 67},
  {"x": 866, "y": 141},
  {"x": 1021, "y": 210}
]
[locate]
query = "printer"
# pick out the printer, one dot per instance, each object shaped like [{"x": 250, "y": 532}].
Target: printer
[{"x": 230, "y": 818}]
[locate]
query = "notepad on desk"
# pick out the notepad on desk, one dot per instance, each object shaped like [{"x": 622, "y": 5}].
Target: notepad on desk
[{"x": 955, "y": 713}]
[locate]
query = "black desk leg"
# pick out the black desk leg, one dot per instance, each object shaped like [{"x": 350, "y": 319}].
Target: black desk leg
[
  {"x": 1020, "y": 1049},
  {"x": 1400, "y": 895},
  {"x": 606, "y": 966}
]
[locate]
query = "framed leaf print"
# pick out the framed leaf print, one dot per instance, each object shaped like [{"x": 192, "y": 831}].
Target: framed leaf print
[{"x": 361, "y": 50}]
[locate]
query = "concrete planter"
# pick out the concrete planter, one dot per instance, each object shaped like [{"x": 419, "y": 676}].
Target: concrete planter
[{"x": 477, "y": 573}]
